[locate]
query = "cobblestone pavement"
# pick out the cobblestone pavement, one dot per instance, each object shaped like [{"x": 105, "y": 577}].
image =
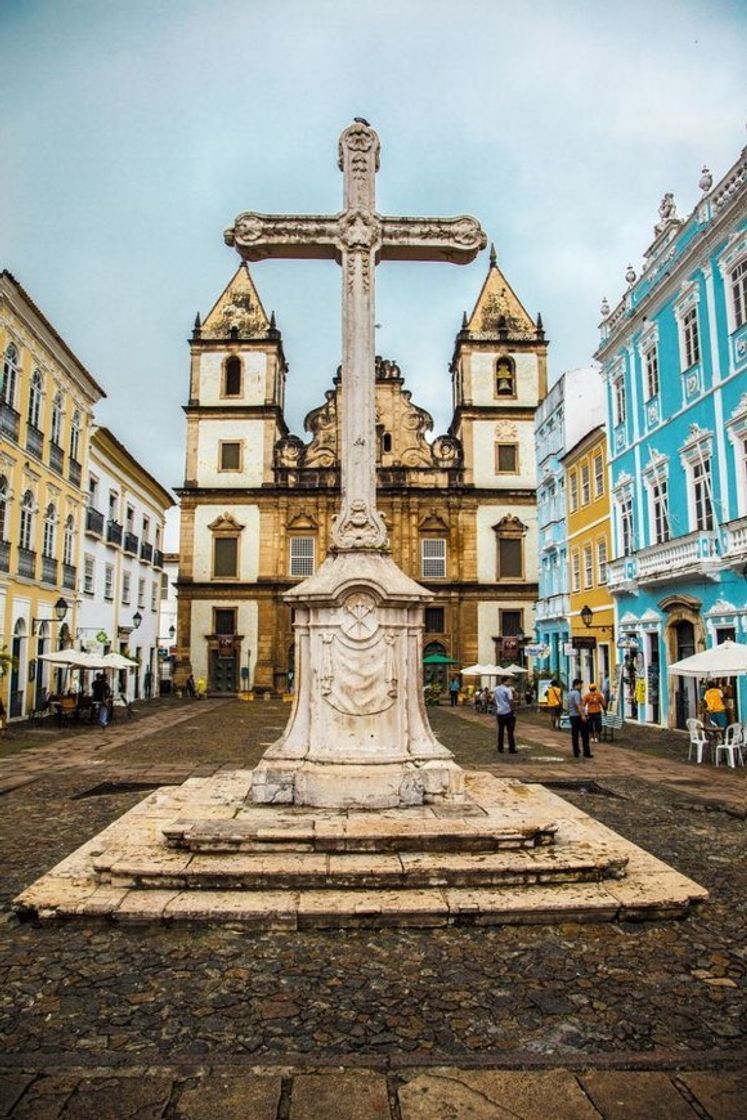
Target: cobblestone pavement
[{"x": 103, "y": 1021}]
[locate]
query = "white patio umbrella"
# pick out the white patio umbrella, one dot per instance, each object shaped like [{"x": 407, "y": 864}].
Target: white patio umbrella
[
  {"x": 73, "y": 658},
  {"x": 116, "y": 661},
  {"x": 727, "y": 660},
  {"x": 513, "y": 670},
  {"x": 475, "y": 670}
]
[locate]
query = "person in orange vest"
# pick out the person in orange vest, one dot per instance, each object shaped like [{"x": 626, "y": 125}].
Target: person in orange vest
[
  {"x": 594, "y": 705},
  {"x": 715, "y": 706},
  {"x": 554, "y": 700}
]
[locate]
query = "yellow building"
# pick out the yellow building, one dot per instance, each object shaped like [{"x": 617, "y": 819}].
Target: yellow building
[
  {"x": 46, "y": 408},
  {"x": 592, "y": 613}
]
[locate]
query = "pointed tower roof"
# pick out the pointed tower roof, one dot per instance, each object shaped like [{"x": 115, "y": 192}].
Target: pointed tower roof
[
  {"x": 498, "y": 307},
  {"x": 237, "y": 308}
]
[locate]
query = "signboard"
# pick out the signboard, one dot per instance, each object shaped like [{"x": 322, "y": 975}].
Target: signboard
[
  {"x": 627, "y": 641},
  {"x": 537, "y": 649},
  {"x": 102, "y": 637},
  {"x": 509, "y": 647},
  {"x": 225, "y": 647},
  {"x": 568, "y": 649},
  {"x": 584, "y": 642}
]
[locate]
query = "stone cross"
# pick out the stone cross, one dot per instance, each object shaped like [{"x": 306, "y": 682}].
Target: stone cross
[{"x": 358, "y": 238}]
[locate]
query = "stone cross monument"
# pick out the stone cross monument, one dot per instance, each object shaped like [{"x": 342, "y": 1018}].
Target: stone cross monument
[{"x": 357, "y": 735}]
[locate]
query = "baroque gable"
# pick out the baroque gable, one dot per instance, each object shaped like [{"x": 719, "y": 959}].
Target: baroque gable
[
  {"x": 238, "y": 310},
  {"x": 499, "y": 309}
]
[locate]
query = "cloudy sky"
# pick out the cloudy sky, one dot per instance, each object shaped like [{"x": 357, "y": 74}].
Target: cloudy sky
[{"x": 135, "y": 132}]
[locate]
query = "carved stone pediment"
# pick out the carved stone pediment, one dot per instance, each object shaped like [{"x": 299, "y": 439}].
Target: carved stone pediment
[
  {"x": 226, "y": 523},
  {"x": 238, "y": 310},
  {"x": 433, "y": 523},
  {"x": 510, "y": 526},
  {"x": 289, "y": 452},
  {"x": 302, "y": 521}
]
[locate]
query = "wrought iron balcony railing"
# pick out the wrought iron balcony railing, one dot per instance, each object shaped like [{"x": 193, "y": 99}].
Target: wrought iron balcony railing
[
  {"x": 34, "y": 441},
  {"x": 69, "y": 576},
  {"x": 49, "y": 569},
  {"x": 10, "y": 421},
  {"x": 74, "y": 472},
  {"x": 56, "y": 458},
  {"x": 157, "y": 558},
  {"x": 131, "y": 543},
  {"x": 94, "y": 522},
  {"x": 4, "y": 556},
  {"x": 27, "y": 563},
  {"x": 146, "y": 551},
  {"x": 114, "y": 532}
]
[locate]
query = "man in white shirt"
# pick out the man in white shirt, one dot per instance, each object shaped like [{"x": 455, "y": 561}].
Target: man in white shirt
[{"x": 504, "y": 713}]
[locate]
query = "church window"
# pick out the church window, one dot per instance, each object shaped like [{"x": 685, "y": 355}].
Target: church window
[
  {"x": 434, "y": 620},
  {"x": 232, "y": 377},
  {"x": 230, "y": 455},
  {"x": 510, "y": 558},
  {"x": 585, "y": 485},
  {"x": 27, "y": 520},
  {"x": 302, "y": 556},
  {"x": 10, "y": 375},
  {"x": 598, "y": 476},
  {"x": 690, "y": 337},
  {"x": 225, "y": 621},
  {"x": 35, "y": 399},
  {"x": 386, "y": 442},
  {"x": 505, "y": 377},
  {"x": 433, "y": 558},
  {"x": 56, "y": 429},
  {"x": 48, "y": 543},
  {"x": 738, "y": 283},
  {"x": 573, "y": 491},
  {"x": 506, "y": 458},
  {"x": 588, "y": 566},
  {"x": 225, "y": 557}
]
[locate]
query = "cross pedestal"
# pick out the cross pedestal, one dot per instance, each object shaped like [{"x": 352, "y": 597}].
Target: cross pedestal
[{"x": 358, "y": 735}]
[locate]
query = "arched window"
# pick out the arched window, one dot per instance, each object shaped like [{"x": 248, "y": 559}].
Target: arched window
[
  {"x": 35, "y": 399},
  {"x": 27, "y": 520},
  {"x": 232, "y": 377},
  {"x": 386, "y": 441},
  {"x": 56, "y": 428},
  {"x": 50, "y": 521},
  {"x": 505, "y": 377},
  {"x": 10, "y": 375},
  {"x": 68, "y": 540},
  {"x": 75, "y": 436},
  {"x": 3, "y": 506}
]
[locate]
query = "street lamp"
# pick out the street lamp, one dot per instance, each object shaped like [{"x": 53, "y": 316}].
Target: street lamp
[
  {"x": 137, "y": 618},
  {"x": 586, "y": 616},
  {"x": 172, "y": 632},
  {"x": 60, "y": 610}
]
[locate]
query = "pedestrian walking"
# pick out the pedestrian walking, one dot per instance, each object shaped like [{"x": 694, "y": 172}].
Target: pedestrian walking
[
  {"x": 505, "y": 713},
  {"x": 454, "y": 691},
  {"x": 579, "y": 723},
  {"x": 554, "y": 701},
  {"x": 594, "y": 705}
]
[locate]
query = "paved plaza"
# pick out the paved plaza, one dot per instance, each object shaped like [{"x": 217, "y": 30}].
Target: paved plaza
[{"x": 612, "y": 1020}]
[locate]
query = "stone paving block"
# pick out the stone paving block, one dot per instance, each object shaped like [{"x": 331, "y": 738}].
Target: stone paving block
[
  {"x": 632, "y": 1095},
  {"x": 449, "y": 1094},
  {"x": 11, "y": 1087},
  {"x": 228, "y": 1096},
  {"x": 339, "y": 1096},
  {"x": 123, "y": 1098},
  {"x": 722, "y": 1095}
]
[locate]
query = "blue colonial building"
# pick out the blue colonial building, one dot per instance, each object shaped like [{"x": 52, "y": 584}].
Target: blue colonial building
[
  {"x": 574, "y": 405},
  {"x": 674, "y": 360}
]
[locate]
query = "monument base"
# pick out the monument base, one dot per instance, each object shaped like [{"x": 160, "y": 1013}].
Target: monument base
[
  {"x": 358, "y": 735},
  {"x": 512, "y": 853}
]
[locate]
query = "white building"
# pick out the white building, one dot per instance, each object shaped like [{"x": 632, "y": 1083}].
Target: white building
[
  {"x": 122, "y": 562},
  {"x": 167, "y": 626}
]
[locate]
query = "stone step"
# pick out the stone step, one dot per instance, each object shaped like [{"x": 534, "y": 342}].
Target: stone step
[
  {"x": 172, "y": 870},
  {"x": 357, "y": 833}
]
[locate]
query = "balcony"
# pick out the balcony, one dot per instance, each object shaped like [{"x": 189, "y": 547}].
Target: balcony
[
  {"x": 736, "y": 542},
  {"x": 56, "y": 458},
  {"x": 69, "y": 576},
  {"x": 49, "y": 570},
  {"x": 131, "y": 543},
  {"x": 74, "y": 472},
  {"x": 27, "y": 563},
  {"x": 113, "y": 532},
  {"x": 553, "y": 607},
  {"x": 4, "y": 556},
  {"x": 94, "y": 522},
  {"x": 34, "y": 441},
  {"x": 146, "y": 551},
  {"x": 10, "y": 421},
  {"x": 157, "y": 558},
  {"x": 694, "y": 555}
]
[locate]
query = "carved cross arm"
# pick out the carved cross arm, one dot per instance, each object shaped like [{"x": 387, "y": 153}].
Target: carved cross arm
[
  {"x": 259, "y": 236},
  {"x": 457, "y": 240}
]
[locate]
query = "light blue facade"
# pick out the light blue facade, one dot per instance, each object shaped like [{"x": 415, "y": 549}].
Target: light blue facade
[
  {"x": 573, "y": 406},
  {"x": 674, "y": 358}
]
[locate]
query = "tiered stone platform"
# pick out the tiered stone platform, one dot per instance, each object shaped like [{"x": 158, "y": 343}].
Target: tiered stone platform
[{"x": 512, "y": 853}]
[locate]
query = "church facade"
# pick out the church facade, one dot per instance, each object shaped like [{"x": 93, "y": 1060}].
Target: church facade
[{"x": 258, "y": 501}]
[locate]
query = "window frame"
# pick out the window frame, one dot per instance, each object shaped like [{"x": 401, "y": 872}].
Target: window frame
[
  {"x": 602, "y": 554},
  {"x": 49, "y": 534},
  {"x": 573, "y": 490},
  {"x": 109, "y": 583},
  {"x": 598, "y": 475},
  {"x": 301, "y": 555},
  {"x": 126, "y": 588},
  {"x": 585, "y": 483},
  {"x": 26, "y": 526},
  {"x": 651, "y": 370},
  {"x": 11, "y": 375},
  {"x": 575, "y": 570},
  {"x": 501, "y": 445},
  {"x": 690, "y": 338},
  {"x": 36, "y": 395},
  {"x": 239, "y": 445},
  {"x": 588, "y": 566},
  {"x": 229, "y": 361},
  {"x": 58, "y": 413},
  {"x": 437, "y": 546},
  {"x": 89, "y": 574},
  {"x": 235, "y": 538},
  {"x": 737, "y": 286},
  {"x": 620, "y": 400},
  {"x": 75, "y": 426},
  {"x": 508, "y": 361}
]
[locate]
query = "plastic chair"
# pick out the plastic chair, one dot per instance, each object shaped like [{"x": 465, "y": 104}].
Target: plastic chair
[
  {"x": 732, "y": 745},
  {"x": 699, "y": 741}
]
